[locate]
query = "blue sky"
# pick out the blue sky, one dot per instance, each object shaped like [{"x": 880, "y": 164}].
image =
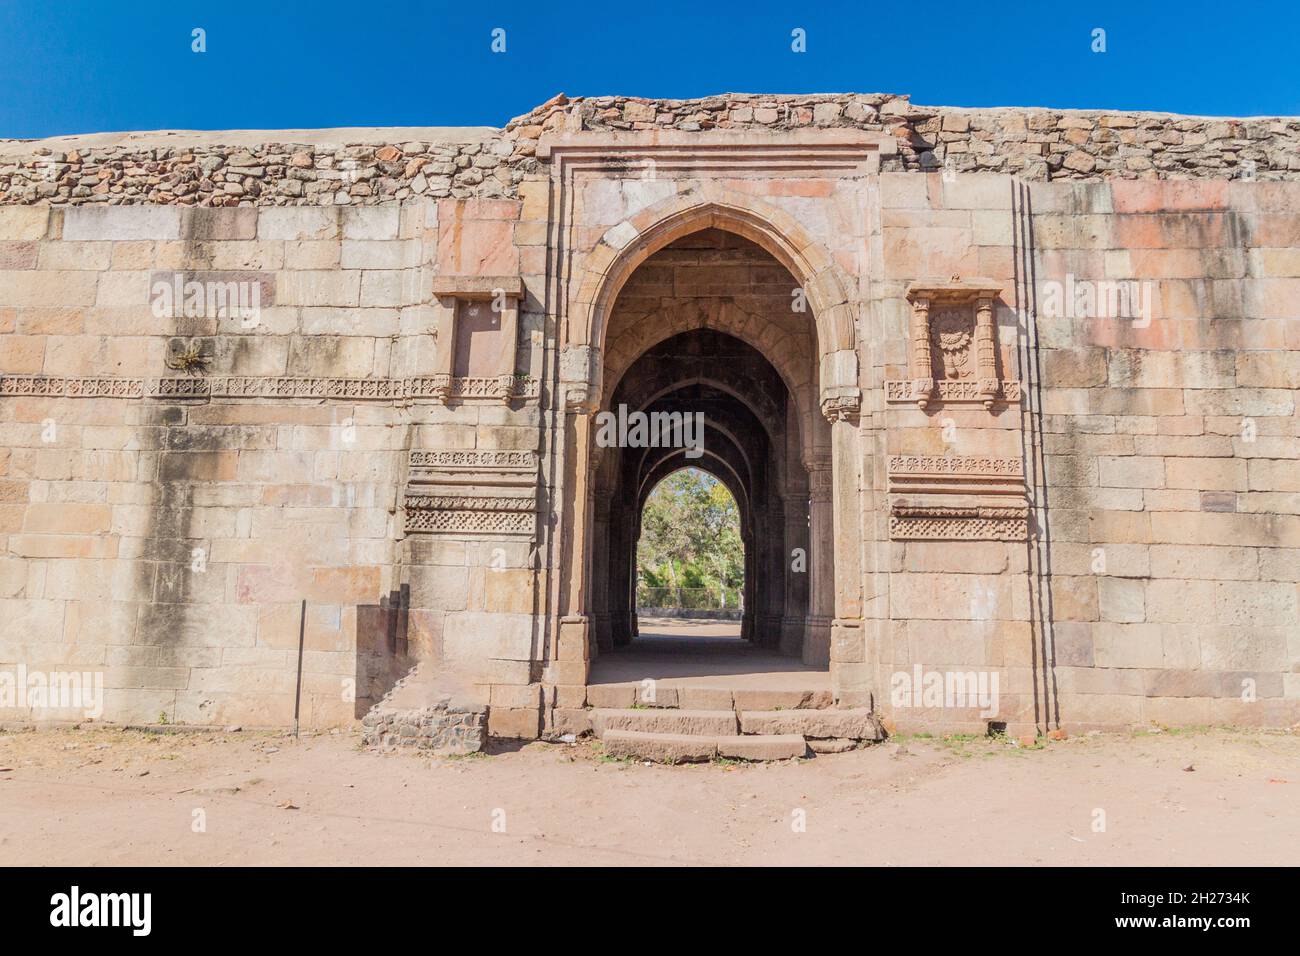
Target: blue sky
[{"x": 69, "y": 66}]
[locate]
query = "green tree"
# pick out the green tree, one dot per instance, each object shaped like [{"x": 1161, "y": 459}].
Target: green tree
[{"x": 690, "y": 534}]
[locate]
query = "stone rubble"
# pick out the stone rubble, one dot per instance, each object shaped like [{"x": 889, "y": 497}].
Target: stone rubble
[
  {"x": 445, "y": 727},
  {"x": 1034, "y": 144}
]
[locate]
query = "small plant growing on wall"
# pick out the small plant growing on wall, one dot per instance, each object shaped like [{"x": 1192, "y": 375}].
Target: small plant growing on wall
[{"x": 189, "y": 357}]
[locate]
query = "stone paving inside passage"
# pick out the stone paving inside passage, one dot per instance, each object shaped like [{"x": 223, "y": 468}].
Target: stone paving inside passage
[{"x": 685, "y": 651}]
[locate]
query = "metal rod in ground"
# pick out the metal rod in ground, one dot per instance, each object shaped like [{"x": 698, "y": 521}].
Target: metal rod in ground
[{"x": 297, "y": 694}]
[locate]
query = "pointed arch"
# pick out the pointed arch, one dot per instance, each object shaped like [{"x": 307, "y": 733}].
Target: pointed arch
[{"x": 710, "y": 205}]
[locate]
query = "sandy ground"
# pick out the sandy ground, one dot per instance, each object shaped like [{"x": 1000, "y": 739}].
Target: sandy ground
[{"x": 84, "y": 797}]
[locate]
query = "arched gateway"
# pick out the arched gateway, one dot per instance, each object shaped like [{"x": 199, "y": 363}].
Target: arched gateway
[{"x": 714, "y": 301}]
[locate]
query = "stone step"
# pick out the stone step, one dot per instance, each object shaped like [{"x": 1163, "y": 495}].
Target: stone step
[
  {"x": 694, "y": 748},
  {"x": 850, "y": 724},
  {"x": 763, "y": 746},
  {"x": 664, "y": 721},
  {"x": 696, "y": 697}
]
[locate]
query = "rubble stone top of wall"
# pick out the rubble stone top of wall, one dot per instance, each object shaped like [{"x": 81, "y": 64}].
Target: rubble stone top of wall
[{"x": 367, "y": 167}]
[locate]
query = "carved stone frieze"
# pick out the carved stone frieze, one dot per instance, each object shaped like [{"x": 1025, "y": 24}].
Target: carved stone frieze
[
  {"x": 455, "y": 520},
  {"x": 947, "y": 392},
  {"x": 958, "y": 522},
  {"x": 472, "y": 491},
  {"x": 509, "y": 387},
  {"x": 962, "y": 497},
  {"x": 60, "y": 387}
]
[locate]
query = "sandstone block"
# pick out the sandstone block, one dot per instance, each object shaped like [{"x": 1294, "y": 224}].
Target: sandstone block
[
  {"x": 664, "y": 721},
  {"x": 763, "y": 747},
  {"x": 663, "y": 748},
  {"x": 565, "y": 720},
  {"x": 122, "y": 222},
  {"x": 297, "y": 223},
  {"x": 371, "y": 222},
  {"x": 220, "y": 224},
  {"x": 857, "y": 723},
  {"x": 514, "y": 723},
  {"x": 21, "y": 223},
  {"x": 704, "y": 698}
]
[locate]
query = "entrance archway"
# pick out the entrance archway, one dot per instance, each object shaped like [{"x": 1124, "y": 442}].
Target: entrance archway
[
  {"x": 699, "y": 295},
  {"x": 808, "y": 340}
]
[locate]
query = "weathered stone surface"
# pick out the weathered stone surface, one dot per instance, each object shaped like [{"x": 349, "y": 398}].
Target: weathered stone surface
[
  {"x": 517, "y": 723},
  {"x": 611, "y": 696},
  {"x": 659, "y": 747},
  {"x": 758, "y": 699},
  {"x": 664, "y": 721},
  {"x": 765, "y": 747},
  {"x": 1065, "y": 145},
  {"x": 856, "y": 724},
  {"x": 704, "y": 698},
  {"x": 833, "y": 745}
]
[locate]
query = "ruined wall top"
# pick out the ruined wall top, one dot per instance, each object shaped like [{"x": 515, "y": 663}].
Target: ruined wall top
[{"x": 366, "y": 167}]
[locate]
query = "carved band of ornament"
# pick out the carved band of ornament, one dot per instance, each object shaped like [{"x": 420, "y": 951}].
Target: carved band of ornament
[
  {"x": 470, "y": 515},
  {"x": 961, "y": 391},
  {"x": 469, "y": 503},
  {"x": 235, "y": 386},
  {"x": 471, "y": 522},
  {"x": 460, "y": 458},
  {"x": 57, "y": 387},
  {"x": 945, "y": 465},
  {"x": 959, "y": 522},
  {"x": 917, "y": 528}
]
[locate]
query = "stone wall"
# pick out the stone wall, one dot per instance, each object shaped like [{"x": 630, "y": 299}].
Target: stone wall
[
  {"x": 1160, "y": 452},
  {"x": 162, "y": 525},
  {"x": 1112, "y": 525},
  {"x": 362, "y": 167}
]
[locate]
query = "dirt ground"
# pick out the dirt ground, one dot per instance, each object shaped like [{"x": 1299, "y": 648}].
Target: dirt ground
[{"x": 86, "y": 797}]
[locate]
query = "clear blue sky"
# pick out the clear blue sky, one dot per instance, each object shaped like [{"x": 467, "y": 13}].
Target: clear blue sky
[{"x": 69, "y": 66}]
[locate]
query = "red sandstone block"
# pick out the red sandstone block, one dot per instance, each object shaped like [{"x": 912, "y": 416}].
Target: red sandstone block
[{"x": 1168, "y": 195}]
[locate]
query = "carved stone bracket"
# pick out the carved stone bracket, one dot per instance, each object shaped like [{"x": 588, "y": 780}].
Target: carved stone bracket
[
  {"x": 845, "y": 406},
  {"x": 470, "y": 491},
  {"x": 952, "y": 354}
]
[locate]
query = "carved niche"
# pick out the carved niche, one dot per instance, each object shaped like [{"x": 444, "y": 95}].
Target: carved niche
[
  {"x": 472, "y": 492},
  {"x": 478, "y": 327},
  {"x": 952, "y": 347}
]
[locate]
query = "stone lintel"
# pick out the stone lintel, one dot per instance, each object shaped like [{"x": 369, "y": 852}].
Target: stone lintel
[
  {"x": 954, "y": 289},
  {"x": 478, "y": 287}
]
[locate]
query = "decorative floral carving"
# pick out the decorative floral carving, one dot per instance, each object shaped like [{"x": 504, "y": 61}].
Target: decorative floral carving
[
  {"x": 471, "y": 458},
  {"x": 955, "y": 465},
  {"x": 951, "y": 331},
  {"x": 953, "y": 392},
  {"x": 945, "y": 523},
  {"x": 470, "y": 514},
  {"x": 269, "y": 386},
  {"x": 952, "y": 341},
  {"x": 59, "y": 387}
]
